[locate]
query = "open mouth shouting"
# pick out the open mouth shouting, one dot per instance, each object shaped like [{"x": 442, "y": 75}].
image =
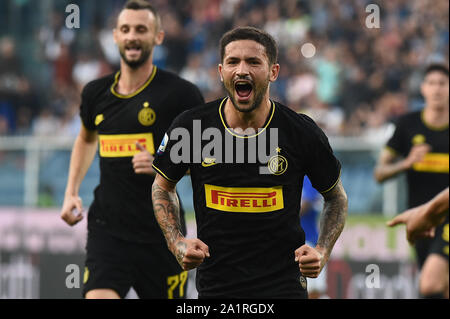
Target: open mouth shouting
[
  {"x": 133, "y": 50},
  {"x": 244, "y": 89}
]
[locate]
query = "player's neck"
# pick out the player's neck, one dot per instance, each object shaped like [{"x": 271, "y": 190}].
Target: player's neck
[
  {"x": 242, "y": 120},
  {"x": 436, "y": 116},
  {"x": 132, "y": 79}
]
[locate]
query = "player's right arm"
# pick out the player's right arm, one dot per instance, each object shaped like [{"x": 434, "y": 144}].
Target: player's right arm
[
  {"x": 189, "y": 253},
  {"x": 390, "y": 164},
  {"x": 83, "y": 153},
  {"x": 421, "y": 221}
]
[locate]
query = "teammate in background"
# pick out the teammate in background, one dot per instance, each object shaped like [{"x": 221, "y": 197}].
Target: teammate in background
[
  {"x": 309, "y": 215},
  {"x": 126, "y": 115},
  {"x": 250, "y": 243},
  {"x": 420, "y": 148},
  {"x": 421, "y": 221}
]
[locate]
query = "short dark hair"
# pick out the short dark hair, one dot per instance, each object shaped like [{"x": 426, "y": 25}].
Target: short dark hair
[
  {"x": 143, "y": 5},
  {"x": 251, "y": 33},
  {"x": 436, "y": 67}
]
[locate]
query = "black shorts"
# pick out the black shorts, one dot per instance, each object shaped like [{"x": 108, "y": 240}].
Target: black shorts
[
  {"x": 151, "y": 269},
  {"x": 437, "y": 245}
]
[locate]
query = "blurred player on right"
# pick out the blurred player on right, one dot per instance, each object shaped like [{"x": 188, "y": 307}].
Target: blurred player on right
[
  {"x": 421, "y": 221},
  {"x": 420, "y": 148}
]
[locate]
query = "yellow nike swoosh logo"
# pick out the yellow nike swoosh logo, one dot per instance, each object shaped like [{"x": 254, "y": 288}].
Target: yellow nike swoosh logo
[{"x": 208, "y": 164}]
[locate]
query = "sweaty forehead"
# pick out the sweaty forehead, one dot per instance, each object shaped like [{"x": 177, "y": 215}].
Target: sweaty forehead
[
  {"x": 245, "y": 49},
  {"x": 136, "y": 17}
]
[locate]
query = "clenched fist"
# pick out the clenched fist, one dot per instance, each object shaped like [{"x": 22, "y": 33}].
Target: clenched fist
[
  {"x": 72, "y": 210},
  {"x": 142, "y": 162},
  {"x": 310, "y": 261},
  {"x": 190, "y": 253}
]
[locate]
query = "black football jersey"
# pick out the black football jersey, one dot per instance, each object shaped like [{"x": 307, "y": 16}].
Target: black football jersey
[
  {"x": 247, "y": 191},
  {"x": 122, "y": 202},
  {"x": 430, "y": 176}
]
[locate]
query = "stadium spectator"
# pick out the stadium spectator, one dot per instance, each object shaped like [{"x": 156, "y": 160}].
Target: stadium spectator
[
  {"x": 45, "y": 124},
  {"x": 54, "y": 36},
  {"x": 12, "y": 83},
  {"x": 355, "y": 65},
  {"x": 329, "y": 118},
  {"x": 88, "y": 68}
]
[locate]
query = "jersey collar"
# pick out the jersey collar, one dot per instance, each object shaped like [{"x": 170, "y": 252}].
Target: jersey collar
[
  {"x": 121, "y": 96},
  {"x": 222, "y": 118}
]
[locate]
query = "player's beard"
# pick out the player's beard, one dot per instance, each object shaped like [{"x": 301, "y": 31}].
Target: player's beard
[
  {"x": 146, "y": 51},
  {"x": 258, "y": 94}
]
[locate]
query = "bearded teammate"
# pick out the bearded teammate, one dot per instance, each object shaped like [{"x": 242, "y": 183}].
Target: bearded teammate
[
  {"x": 126, "y": 115},
  {"x": 250, "y": 243},
  {"x": 420, "y": 148}
]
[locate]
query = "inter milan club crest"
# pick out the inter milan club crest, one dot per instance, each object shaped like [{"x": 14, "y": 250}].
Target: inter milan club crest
[
  {"x": 278, "y": 164},
  {"x": 147, "y": 116},
  {"x": 418, "y": 139}
]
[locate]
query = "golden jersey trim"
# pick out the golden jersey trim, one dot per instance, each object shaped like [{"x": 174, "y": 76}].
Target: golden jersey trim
[
  {"x": 86, "y": 275},
  {"x": 163, "y": 175},
  {"x": 391, "y": 150},
  {"x": 433, "y": 163},
  {"x": 121, "y": 96},
  {"x": 431, "y": 127},
  {"x": 124, "y": 145},
  {"x": 244, "y": 199},
  {"x": 87, "y": 129},
  {"x": 239, "y": 136},
  {"x": 335, "y": 183}
]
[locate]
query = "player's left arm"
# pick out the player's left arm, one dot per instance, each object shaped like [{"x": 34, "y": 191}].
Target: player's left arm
[{"x": 332, "y": 220}]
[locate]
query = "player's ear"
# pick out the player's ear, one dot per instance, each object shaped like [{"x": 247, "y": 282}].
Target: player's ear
[
  {"x": 422, "y": 89},
  {"x": 159, "y": 37},
  {"x": 274, "y": 71},
  {"x": 115, "y": 35},
  {"x": 220, "y": 67}
]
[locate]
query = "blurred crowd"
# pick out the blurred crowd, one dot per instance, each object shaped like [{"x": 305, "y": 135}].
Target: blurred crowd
[{"x": 359, "y": 80}]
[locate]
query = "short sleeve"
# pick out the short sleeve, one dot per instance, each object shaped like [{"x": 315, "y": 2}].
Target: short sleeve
[
  {"x": 86, "y": 109},
  {"x": 190, "y": 97},
  {"x": 169, "y": 161},
  {"x": 323, "y": 169},
  {"x": 397, "y": 141}
]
